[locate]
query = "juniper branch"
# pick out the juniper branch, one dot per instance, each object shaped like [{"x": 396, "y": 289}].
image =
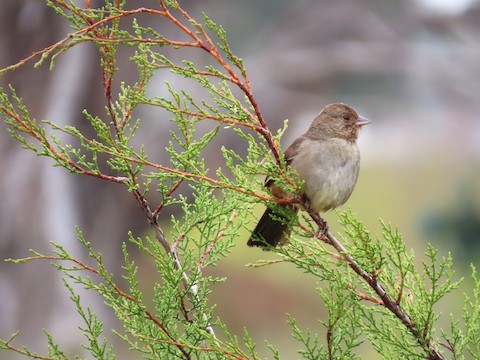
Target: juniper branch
[{"x": 387, "y": 300}]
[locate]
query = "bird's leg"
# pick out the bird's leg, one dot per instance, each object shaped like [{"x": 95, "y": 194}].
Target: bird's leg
[
  {"x": 322, "y": 224},
  {"x": 305, "y": 201}
]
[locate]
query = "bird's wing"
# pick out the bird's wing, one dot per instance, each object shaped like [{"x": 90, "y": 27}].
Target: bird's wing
[
  {"x": 292, "y": 150},
  {"x": 289, "y": 154}
]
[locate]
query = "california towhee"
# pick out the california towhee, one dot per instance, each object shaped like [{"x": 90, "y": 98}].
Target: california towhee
[{"x": 327, "y": 158}]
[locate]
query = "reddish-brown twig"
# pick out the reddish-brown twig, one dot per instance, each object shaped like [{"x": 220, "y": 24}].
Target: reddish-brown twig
[
  {"x": 210, "y": 247},
  {"x": 385, "y": 298},
  {"x": 116, "y": 289}
]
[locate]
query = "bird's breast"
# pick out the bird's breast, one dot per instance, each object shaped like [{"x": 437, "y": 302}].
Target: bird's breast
[{"x": 330, "y": 171}]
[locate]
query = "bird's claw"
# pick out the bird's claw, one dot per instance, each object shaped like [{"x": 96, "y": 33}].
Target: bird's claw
[
  {"x": 322, "y": 228},
  {"x": 322, "y": 225}
]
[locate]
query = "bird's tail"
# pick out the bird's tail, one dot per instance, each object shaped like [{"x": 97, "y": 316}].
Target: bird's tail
[{"x": 270, "y": 230}]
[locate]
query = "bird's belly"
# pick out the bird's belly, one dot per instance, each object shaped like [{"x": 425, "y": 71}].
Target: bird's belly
[
  {"x": 330, "y": 176},
  {"x": 328, "y": 190}
]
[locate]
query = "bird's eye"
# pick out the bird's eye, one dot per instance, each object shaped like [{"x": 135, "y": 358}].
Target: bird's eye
[{"x": 346, "y": 117}]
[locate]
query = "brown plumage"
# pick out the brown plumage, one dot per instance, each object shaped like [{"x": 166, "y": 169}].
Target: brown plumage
[{"x": 327, "y": 158}]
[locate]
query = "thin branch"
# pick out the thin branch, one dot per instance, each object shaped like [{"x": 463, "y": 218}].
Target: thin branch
[
  {"x": 331, "y": 325},
  {"x": 172, "y": 251},
  {"x": 23, "y": 351},
  {"x": 65, "y": 42},
  {"x": 193, "y": 288},
  {"x": 200, "y": 348},
  {"x": 55, "y": 154},
  {"x": 450, "y": 347},
  {"x": 167, "y": 195},
  {"x": 200, "y": 116},
  {"x": 209, "y": 47},
  {"x": 401, "y": 287},
  {"x": 117, "y": 290},
  {"x": 364, "y": 296},
  {"x": 210, "y": 247},
  {"x": 244, "y": 86},
  {"x": 387, "y": 300}
]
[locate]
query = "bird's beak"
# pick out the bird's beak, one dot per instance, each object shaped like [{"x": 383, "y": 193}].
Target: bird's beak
[{"x": 362, "y": 121}]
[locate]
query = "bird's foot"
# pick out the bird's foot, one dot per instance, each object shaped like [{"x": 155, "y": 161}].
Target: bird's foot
[
  {"x": 322, "y": 225},
  {"x": 322, "y": 228}
]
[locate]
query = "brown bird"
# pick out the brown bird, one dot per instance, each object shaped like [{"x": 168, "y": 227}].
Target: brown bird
[{"x": 327, "y": 158}]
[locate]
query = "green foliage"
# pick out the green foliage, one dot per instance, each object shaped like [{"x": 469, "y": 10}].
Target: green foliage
[
  {"x": 370, "y": 285},
  {"x": 355, "y": 312}
]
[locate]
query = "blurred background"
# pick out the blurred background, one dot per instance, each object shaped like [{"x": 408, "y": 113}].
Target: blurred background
[{"x": 412, "y": 67}]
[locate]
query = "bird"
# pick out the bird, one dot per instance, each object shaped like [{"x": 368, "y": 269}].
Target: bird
[{"x": 326, "y": 157}]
